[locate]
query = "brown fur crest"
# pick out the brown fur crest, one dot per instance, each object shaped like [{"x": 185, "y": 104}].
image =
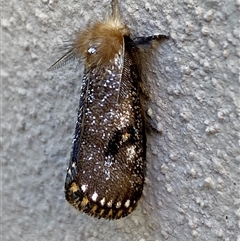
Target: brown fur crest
[{"x": 100, "y": 43}]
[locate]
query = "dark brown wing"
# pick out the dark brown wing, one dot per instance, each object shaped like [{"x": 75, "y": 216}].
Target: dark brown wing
[{"x": 106, "y": 171}]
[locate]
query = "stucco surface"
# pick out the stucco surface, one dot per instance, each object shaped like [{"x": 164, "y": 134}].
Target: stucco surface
[{"x": 192, "y": 189}]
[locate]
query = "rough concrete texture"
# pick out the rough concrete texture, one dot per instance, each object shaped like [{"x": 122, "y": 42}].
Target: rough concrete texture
[{"x": 192, "y": 185}]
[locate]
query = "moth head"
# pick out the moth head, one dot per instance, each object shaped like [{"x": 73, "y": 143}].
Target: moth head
[{"x": 100, "y": 43}]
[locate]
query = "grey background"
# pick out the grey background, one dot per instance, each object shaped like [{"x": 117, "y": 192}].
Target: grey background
[{"x": 192, "y": 185}]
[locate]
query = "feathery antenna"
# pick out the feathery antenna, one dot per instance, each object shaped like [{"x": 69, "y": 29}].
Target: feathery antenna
[{"x": 70, "y": 55}]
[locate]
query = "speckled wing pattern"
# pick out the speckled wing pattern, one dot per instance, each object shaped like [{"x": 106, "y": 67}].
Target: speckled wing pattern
[{"x": 107, "y": 166}]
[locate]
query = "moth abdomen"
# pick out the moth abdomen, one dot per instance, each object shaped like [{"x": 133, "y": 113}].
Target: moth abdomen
[{"x": 107, "y": 166}]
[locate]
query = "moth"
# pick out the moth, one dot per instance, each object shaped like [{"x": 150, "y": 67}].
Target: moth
[{"x": 107, "y": 166}]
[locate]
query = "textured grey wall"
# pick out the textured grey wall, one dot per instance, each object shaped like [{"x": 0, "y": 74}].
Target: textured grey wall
[{"x": 192, "y": 185}]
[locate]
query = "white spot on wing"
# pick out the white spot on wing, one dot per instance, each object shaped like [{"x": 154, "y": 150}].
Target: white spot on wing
[
  {"x": 94, "y": 196},
  {"x": 102, "y": 201},
  {"x": 118, "y": 205},
  {"x": 127, "y": 203},
  {"x": 131, "y": 152},
  {"x": 84, "y": 188},
  {"x": 74, "y": 164},
  {"x": 109, "y": 204},
  {"x": 107, "y": 173},
  {"x": 124, "y": 119}
]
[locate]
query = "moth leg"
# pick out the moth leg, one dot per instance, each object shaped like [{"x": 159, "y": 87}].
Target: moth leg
[
  {"x": 144, "y": 91},
  {"x": 149, "y": 39},
  {"x": 150, "y": 124},
  {"x": 146, "y": 44}
]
